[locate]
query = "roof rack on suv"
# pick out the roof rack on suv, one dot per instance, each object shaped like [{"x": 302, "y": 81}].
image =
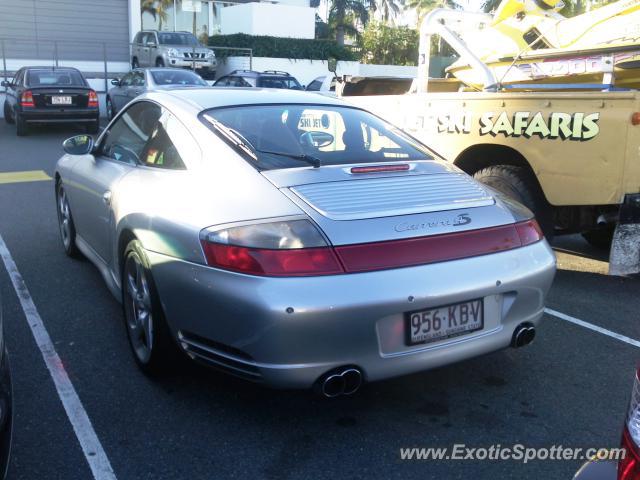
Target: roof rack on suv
[
  {"x": 242, "y": 71},
  {"x": 277, "y": 72}
]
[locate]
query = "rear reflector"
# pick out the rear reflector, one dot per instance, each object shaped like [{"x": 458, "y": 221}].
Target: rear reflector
[
  {"x": 629, "y": 466},
  {"x": 436, "y": 248},
  {"x": 26, "y": 100},
  {"x": 403, "y": 167},
  {"x": 93, "y": 99}
]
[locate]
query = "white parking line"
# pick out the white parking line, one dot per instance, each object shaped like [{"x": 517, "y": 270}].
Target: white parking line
[
  {"x": 590, "y": 326},
  {"x": 93, "y": 451}
]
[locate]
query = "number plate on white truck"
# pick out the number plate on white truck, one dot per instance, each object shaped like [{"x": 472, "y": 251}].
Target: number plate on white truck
[{"x": 444, "y": 322}]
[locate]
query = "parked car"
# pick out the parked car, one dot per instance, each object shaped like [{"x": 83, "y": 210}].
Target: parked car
[
  {"x": 266, "y": 79},
  {"x": 142, "y": 79},
  {"x": 50, "y": 95},
  {"x": 6, "y": 403},
  {"x": 151, "y": 48},
  {"x": 294, "y": 240},
  {"x": 628, "y": 466},
  {"x": 325, "y": 83}
]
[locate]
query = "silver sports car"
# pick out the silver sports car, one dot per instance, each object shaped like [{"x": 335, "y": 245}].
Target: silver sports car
[{"x": 294, "y": 240}]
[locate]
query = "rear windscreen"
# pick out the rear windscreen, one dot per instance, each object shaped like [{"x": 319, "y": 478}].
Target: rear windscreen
[
  {"x": 176, "y": 77},
  {"x": 42, "y": 78},
  {"x": 279, "y": 82}
]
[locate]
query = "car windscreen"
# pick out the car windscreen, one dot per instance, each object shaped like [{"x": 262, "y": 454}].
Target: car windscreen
[
  {"x": 293, "y": 135},
  {"x": 42, "y": 78},
  {"x": 176, "y": 77},
  {"x": 172, "y": 38},
  {"x": 279, "y": 82}
]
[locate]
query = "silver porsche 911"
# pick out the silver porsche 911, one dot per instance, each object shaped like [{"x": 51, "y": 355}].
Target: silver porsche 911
[{"x": 294, "y": 240}]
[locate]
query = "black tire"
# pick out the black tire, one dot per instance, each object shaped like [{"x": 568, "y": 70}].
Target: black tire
[
  {"x": 22, "y": 129},
  {"x": 134, "y": 63},
  {"x": 159, "y": 62},
  {"x": 600, "y": 238},
  {"x": 154, "y": 356},
  {"x": 7, "y": 114},
  {"x": 519, "y": 184},
  {"x": 110, "y": 110},
  {"x": 68, "y": 235},
  {"x": 93, "y": 127}
]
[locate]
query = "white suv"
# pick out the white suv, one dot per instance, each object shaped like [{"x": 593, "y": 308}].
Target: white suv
[{"x": 151, "y": 48}]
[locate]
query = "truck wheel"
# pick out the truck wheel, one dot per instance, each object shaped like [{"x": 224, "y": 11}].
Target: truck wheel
[
  {"x": 7, "y": 114},
  {"x": 134, "y": 63},
  {"x": 519, "y": 184},
  {"x": 600, "y": 238},
  {"x": 159, "y": 62}
]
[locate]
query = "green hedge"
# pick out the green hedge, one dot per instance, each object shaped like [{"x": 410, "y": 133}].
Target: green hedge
[{"x": 279, "y": 47}]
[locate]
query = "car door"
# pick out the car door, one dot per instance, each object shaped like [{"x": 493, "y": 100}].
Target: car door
[
  {"x": 13, "y": 91},
  {"x": 117, "y": 154},
  {"x": 137, "y": 85},
  {"x": 120, "y": 95},
  {"x": 151, "y": 49}
]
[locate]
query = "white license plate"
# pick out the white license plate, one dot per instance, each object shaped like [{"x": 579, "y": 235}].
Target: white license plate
[
  {"x": 60, "y": 100},
  {"x": 444, "y": 322}
]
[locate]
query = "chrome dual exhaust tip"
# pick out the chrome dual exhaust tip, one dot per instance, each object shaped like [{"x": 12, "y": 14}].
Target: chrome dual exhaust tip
[{"x": 345, "y": 381}]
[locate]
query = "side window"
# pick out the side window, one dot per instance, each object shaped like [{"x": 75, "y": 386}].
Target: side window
[
  {"x": 138, "y": 38},
  {"x": 222, "y": 82},
  {"x": 168, "y": 139},
  {"x": 138, "y": 79},
  {"x": 127, "y": 80},
  {"x": 151, "y": 38},
  {"x": 127, "y": 137},
  {"x": 314, "y": 86}
]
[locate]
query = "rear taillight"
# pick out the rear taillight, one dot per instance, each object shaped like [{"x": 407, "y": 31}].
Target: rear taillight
[
  {"x": 296, "y": 248},
  {"x": 281, "y": 249},
  {"x": 93, "y": 99},
  {"x": 529, "y": 232},
  {"x": 629, "y": 466},
  {"x": 26, "y": 100}
]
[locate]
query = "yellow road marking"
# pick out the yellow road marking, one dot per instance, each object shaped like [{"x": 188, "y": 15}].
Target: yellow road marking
[{"x": 27, "y": 176}]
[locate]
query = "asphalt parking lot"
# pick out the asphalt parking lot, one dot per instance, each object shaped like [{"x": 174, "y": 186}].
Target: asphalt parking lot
[{"x": 570, "y": 387}]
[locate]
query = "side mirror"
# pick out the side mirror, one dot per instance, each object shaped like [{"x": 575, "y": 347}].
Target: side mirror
[
  {"x": 78, "y": 145},
  {"x": 5, "y": 84},
  {"x": 151, "y": 44},
  {"x": 332, "y": 65},
  {"x": 115, "y": 82}
]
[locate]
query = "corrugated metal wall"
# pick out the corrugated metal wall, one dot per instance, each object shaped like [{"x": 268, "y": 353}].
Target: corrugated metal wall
[{"x": 79, "y": 27}]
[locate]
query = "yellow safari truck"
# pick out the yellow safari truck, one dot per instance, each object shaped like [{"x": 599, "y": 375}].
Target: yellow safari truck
[{"x": 569, "y": 154}]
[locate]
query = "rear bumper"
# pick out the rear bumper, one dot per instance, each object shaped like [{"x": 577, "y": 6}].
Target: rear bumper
[
  {"x": 287, "y": 332},
  {"x": 46, "y": 115},
  {"x": 185, "y": 63}
]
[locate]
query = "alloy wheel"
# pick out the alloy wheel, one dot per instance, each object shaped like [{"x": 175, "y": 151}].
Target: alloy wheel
[
  {"x": 64, "y": 217},
  {"x": 138, "y": 307}
]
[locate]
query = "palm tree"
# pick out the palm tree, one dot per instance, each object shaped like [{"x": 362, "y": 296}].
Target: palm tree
[
  {"x": 389, "y": 9},
  {"x": 345, "y": 15},
  {"x": 157, "y": 9},
  {"x": 423, "y": 7}
]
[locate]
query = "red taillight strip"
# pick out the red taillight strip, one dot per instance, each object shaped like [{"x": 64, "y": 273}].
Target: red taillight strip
[
  {"x": 437, "y": 248},
  {"x": 301, "y": 262},
  {"x": 403, "y": 167},
  {"x": 370, "y": 256}
]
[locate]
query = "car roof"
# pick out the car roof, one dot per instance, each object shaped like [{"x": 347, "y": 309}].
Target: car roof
[
  {"x": 203, "y": 98},
  {"x": 53, "y": 69}
]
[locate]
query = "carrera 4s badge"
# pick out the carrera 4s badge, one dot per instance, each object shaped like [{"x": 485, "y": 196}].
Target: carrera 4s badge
[{"x": 462, "y": 219}]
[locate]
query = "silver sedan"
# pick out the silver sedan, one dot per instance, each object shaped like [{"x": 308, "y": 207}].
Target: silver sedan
[{"x": 293, "y": 240}]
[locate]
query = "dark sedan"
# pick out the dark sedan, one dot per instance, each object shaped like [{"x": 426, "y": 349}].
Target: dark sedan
[
  {"x": 50, "y": 95},
  {"x": 140, "y": 80}
]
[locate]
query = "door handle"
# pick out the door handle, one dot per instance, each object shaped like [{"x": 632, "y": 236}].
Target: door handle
[{"x": 106, "y": 197}]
